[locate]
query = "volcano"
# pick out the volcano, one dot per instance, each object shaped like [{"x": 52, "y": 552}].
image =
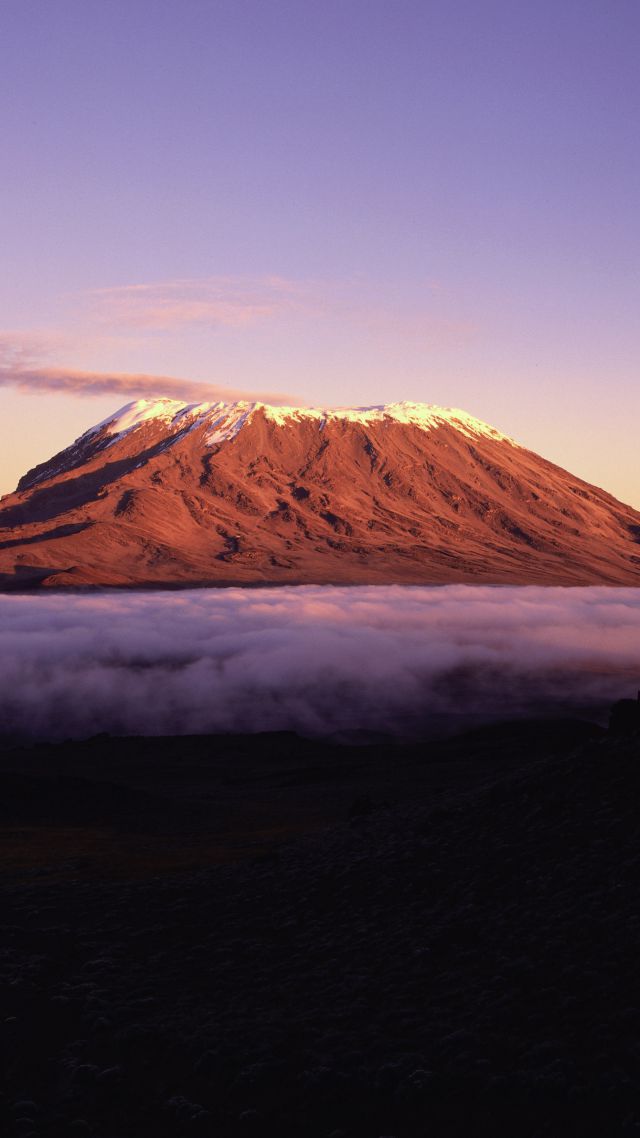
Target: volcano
[{"x": 165, "y": 493}]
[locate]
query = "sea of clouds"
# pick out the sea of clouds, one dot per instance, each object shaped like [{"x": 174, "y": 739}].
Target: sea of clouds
[{"x": 317, "y": 660}]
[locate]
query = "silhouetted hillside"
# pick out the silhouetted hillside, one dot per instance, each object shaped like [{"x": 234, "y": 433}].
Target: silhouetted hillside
[{"x": 266, "y": 935}]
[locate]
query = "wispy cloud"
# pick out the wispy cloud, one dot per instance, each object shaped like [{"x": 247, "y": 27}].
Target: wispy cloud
[
  {"x": 22, "y": 367},
  {"x": 217, "y": 303},
  {"x": 132, "y": 317},
  {"x": 420, "y": 327},
  {"x": 214, "y": 302},
  {"x": 30, "y": 361}
]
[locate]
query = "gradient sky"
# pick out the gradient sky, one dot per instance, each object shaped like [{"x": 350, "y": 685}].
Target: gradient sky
[{"x": 353, "y": 202}]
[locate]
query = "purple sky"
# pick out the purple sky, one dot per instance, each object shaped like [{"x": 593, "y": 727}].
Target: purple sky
[{"x": 349, "y": 202}]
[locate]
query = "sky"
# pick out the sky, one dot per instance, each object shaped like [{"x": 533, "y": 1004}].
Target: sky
[{"x": 346, "y": 203}]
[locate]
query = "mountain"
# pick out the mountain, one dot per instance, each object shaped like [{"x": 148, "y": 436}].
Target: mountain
[{"x": 169, "y": 493}]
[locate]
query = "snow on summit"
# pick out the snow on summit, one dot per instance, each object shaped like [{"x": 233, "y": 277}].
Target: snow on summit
[{"x": 224, "y": 420}]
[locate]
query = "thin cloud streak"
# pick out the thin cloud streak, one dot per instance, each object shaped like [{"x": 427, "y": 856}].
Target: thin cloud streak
[
  {"x": 317, "y": 660},
  {"x": 63, "y": 381},
  {"x": 215, "y": 302},
  {"x": 22, "y": 368},
  {"x": 30, "y": 360},
  {"x": 236, "y": 302}
]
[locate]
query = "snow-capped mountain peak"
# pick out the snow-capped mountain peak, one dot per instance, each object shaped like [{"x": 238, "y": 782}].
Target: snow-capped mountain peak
[
  {"x": 224, "y": 420},
  {"x": 165, "y": 493}
]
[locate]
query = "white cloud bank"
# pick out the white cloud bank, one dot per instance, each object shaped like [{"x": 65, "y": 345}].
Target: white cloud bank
[{"x": 317, "y": 660}]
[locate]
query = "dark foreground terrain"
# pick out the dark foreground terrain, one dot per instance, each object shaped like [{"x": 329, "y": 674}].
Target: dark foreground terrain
[{"x": 267, "y": 936}]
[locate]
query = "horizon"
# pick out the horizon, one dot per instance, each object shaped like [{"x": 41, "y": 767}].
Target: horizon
[{"x": 357, "y": 206}]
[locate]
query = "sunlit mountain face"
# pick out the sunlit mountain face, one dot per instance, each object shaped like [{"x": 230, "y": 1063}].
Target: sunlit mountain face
[{"x": 170, "y": 493}]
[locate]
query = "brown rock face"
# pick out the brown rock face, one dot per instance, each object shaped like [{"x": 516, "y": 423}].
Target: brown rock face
[{"x": 168, "y": 494}]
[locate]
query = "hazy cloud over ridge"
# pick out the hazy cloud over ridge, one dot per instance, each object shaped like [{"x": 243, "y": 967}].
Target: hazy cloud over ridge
[
  {"x": 316, "y": 660},
  {"x": 22, "y": 367},
  {"x": 65, "y": 381}
]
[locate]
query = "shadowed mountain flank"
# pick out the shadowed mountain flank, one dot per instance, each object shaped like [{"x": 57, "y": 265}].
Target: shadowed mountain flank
[{"x": 167, "y": 493}]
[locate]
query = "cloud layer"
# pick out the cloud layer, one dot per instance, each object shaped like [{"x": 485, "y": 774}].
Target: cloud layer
[{"x": 320, "y": 661}]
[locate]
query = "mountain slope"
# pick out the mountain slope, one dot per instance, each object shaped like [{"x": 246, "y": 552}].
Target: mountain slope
[{"x": 172, "y": 493}]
